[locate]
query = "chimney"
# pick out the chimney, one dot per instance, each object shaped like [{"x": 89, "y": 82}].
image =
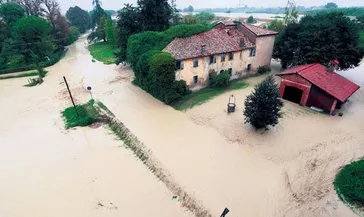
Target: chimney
[
  {"x": 203, "y": 48},
  {"x": 333, "y": 65}
]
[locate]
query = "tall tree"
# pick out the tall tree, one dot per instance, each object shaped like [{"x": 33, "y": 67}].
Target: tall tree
[
  {"x": 60, "y": 31},
  {"x": 128, "y": 24},
  {"x": 32, "y": 7},
  {"x": 110, "y": 32},
  {"x": 79, "y": 18},
  {"x": 263, "y": 106},
  {"x": 31, "y": 38},
  {"x": 331, "y": 5},
  {"x": 99, "y": 17},
  {"x": 51, "y": 11},
  {"x": 155, "y": 14},
  {"x": 11, "y": 12},
  {"x": 320, "y": 39}
]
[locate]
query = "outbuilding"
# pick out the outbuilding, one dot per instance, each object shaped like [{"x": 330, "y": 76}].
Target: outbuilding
[{"x": 315, "y": 85}]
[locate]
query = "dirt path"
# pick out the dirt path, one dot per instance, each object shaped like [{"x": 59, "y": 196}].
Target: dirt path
[{"x": 216, "y": 158}]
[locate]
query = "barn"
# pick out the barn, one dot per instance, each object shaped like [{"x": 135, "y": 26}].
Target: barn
[{"x": 315, "y": 85}]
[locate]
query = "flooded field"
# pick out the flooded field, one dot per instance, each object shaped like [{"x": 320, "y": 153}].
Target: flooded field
[{"x": 47, "y": 171}]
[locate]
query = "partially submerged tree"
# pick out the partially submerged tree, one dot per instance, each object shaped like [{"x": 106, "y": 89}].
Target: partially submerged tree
[
  {"x": 263, "y": 106},
  {"x": 320, "y": 39},
  {"x": 155, "y": 14}
]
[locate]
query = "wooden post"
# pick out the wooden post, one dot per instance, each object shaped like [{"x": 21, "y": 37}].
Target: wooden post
[{"x": 71, "y": 96}]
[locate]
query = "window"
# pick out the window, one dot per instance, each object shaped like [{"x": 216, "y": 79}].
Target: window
[
  {"x": 223, "y": 55},
  {"x": 252, "y": 52},
  {"x": 180, "y": 64},
  {"x": 195, "y": 79},
  {"x": 230, "y": 70},
  {"x": 212, "y": 59},
  {"x": 195, "y": 62},
  {"x": 249, "y": 67},
  {"x": 231, "y": 55}
]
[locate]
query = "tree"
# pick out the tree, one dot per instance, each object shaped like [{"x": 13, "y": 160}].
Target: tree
[
  {"x": 128, "y": 24},
  {"x": 263, "y": 106},
  {"x": 276, "y": 25},
  {"x": 331, "y": 5},
  {"x": 32, "y": 7},
  {"x": 3, "y": 34},
  {"x": 155, "y": 14},
  {"x": 60, "y": 31},
  {"x": 98, "y": 18},
  {"x": 110, "y": 32},
  {"x": 189, "y": 9},
  {"x": 320, "y": 39},
  {"x": 73, "y": 35},
  {"x": 189, "y": 19},
  {"x": 79, "y": 18},
  {"x": 251, "y": 20},
  {"x": 205, "y": 17},
  {"x": 11, "y": 12},
  {"x": 360, "y": 20},
  {"x": 31, "y": 38},
  {"x": 51, "y": 11}
]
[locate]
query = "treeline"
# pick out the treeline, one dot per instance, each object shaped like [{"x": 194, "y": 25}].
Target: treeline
[
  {"x": 143, "y": 31},
  {"x": 33, "y": 34},
  {"x": 352, "y": 11}
]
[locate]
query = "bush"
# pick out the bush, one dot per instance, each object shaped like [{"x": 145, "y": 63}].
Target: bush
[
  {"x": 263, "y": 69},
  {"x": 73, "y": 35},
  {"x": 263, "y": 106},
  {"x": 87, "y": 114},
  {"x": 220, "y": 80},
  {"x": 349, "y": 184},
  {"x": 251, "y": 20}
]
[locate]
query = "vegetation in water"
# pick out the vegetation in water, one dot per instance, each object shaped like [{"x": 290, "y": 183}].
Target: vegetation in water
[
  {"x": 263, "y": 106},
  {"x": 103, "y": 52},
  {"x": 86, "y": 114},
  {"x": 349, "y": 184}
]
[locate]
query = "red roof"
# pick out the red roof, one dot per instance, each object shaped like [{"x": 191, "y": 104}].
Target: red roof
[
  {"x": 258, "y": 31},
  {"x": 215, "y": 41},
  {"x": 330, "y": 82}
]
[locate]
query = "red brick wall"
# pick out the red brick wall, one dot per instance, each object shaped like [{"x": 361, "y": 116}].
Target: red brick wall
[{"x": 296, "y": 81}]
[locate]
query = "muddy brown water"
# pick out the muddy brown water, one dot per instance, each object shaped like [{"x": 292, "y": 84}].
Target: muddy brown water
[{"x": 47, "y": 171}]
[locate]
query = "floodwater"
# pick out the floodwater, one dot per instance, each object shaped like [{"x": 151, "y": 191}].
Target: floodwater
[
  {"x": 244, "y": 15},
  {"x": 48, "y": 171}
]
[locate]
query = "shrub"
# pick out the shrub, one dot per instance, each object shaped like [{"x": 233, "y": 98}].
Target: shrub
[
  {"x": 263, "y": 106},
  {"x": 349, "y": 184},
  {"x": 73, "y": 35},
  {"x": 87, "y": 114},
  {"x": 220, "y": 80},
  {"x": 263, "y": 69}
]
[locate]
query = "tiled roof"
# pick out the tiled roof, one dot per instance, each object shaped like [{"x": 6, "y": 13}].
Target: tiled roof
[
  {"x": 214, "y": 41},
  {"x": 330, "y": 82},
  {"x": 258, "y": 31}
]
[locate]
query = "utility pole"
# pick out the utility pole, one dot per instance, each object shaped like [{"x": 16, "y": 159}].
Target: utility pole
[{"x": 69, "y": 91}]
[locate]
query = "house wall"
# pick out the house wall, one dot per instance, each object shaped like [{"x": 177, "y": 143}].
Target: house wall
[
  {"x": 238, "y": 65},
  {"x": 252, "y": 37},
  {"x": 321, "y": 99},
  {"x": 296, "y": 81},
  {"x": 264, "y": 51}
]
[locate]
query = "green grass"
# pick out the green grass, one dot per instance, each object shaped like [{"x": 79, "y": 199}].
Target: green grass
[
  {"x": 103, "y": 52},
  {"x": 362, "y": 39},
  {"x": 349, "y": 184},
  {"x": 203, "y": 95},
  {"x": 87, "y": 114},
  {"x": 28, "y": 74}
]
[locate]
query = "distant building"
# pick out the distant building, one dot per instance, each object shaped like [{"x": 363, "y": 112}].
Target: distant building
[
  {"x": 314, "y": 85},
  {"x": 237, "y": 47}
]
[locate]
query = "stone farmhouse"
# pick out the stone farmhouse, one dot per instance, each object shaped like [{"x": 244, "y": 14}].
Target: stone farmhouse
[{"x": 237, "y": 47}]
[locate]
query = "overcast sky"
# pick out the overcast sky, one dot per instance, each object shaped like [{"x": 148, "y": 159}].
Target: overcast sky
[{"x": 117, "y": 4}]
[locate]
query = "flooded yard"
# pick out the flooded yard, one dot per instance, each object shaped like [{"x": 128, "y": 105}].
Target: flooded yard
[{"x": 48, "y": 171}]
